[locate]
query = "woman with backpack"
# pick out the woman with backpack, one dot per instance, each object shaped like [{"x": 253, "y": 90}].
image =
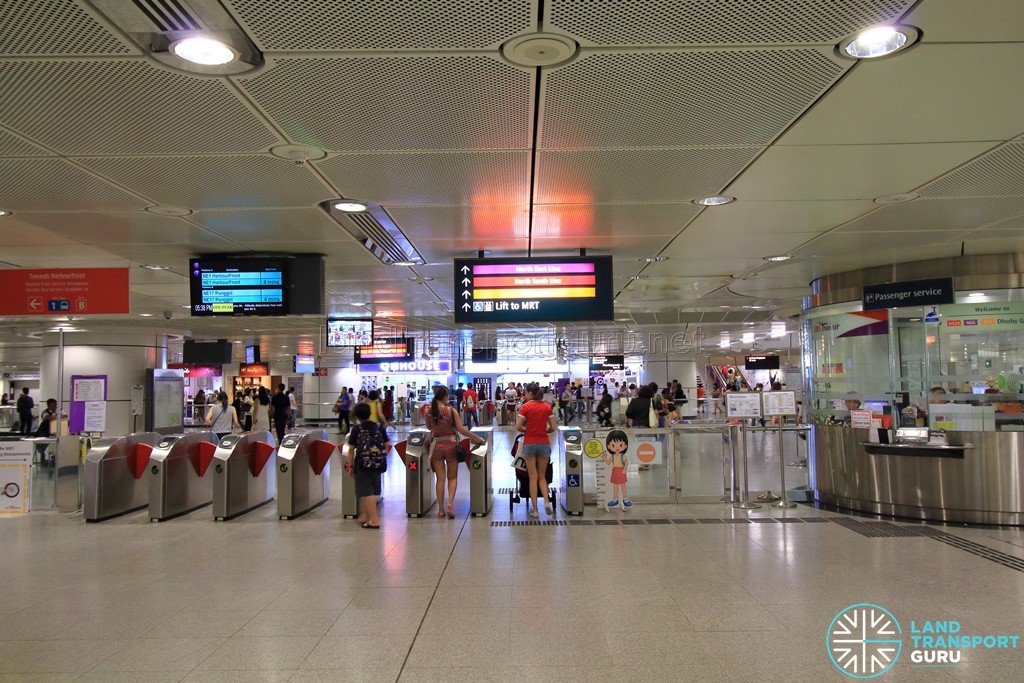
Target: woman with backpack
[
  {"x": 445, "y": 425},
  {"x": 222, "y": 417}
]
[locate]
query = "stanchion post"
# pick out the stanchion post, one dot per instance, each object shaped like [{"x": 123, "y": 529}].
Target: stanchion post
[
  {"x": 727, "y": 462},
  {"x": 745, "y": 503},
  {"x": 783, "y": 503}
]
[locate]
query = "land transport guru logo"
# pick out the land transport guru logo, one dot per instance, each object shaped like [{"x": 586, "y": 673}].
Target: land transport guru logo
[{"x": 866, "y": 640}]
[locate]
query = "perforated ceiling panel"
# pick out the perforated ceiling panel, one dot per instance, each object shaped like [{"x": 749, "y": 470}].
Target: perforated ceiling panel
[
  {"x": 11, "y": 146},
  {"x": 390, "y": 103},
  {"x": 42, "y": 184},
  {"x": 383, "y": 24},
  {"x": 997, "y": 173},
  {"x": 432, "y": 177},
  {"x": 637, "y": 175},
  {"x": 583, "y": 220},
  {"x": 676, "y": 99},
  {"x": 215, "y": 182},
  {"x": 124, "y": 106},
  {"x": 726, "y": 22},
  {"x": 136, "y": 227},
  {"x": 959, "y": 213},
  {"x": 54, "y": 27},
  {"x": 481, "y": 224},
  {"x": 305, "y": 224}
]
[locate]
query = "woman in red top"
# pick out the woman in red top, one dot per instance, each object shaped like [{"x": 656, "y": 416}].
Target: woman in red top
[
  {"x": 444, "y": 423},
  {"x": 536, "y": 421}
]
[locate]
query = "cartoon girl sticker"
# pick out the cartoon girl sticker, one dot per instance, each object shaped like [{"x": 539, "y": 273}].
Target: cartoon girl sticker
[{"x": 616, "y": 445}]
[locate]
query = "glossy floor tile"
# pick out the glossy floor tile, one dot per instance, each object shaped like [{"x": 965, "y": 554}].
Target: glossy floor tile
[{"x": 663, "y": 592}]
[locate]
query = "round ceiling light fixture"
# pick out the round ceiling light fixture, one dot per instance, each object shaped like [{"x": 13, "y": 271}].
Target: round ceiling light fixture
[
  {"x": 715, "y": 200},
  {"x": 896, "y": 198},
  {"x": 350, "y": 206},
  {"x": 879, "y": 41},
  {"x": 540, "y": 49},
  {"x": 205, "y": 51}
]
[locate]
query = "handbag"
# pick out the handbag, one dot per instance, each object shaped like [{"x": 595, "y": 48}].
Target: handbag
[
  {"x": 652, "y": 416},
  {"x": 460, "y": 453}
]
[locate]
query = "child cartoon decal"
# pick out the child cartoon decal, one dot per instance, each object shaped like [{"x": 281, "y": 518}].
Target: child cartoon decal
[{"x": 616, "y": 445}]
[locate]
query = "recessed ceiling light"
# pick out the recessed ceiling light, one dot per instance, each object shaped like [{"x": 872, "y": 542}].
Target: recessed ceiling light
[
  {"x": 200, "y": 50},
  {"x": 639, "y": 277},
  {"x": 654, "y": 259},
  {"x": 915, "y": 320},
  {"x": 779, "y": 257},
  {"x": 406, "y": 263},
  {"x": 896, "y": 198},
  {"x": 354, "y": 303},
  {"x": 879, "y": 41},
  {"x": 145, "y": 315},
  {"x": 349, "y": 206},
  {"x": 4, "y": 212},
  {"x": 153, "y": 266},
  {"x": 976, "y": 294},
  {"x": 755, "y": 308},
  {"x": 715, "y": 200}
]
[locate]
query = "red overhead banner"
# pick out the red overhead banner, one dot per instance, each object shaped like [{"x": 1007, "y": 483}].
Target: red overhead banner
[{"x": 71, "y": 291}]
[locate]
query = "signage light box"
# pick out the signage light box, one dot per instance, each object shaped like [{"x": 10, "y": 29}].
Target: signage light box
[{"x": 533, "y": 289}]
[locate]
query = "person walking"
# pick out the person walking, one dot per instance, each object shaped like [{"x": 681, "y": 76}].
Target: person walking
[
  {"x": 604, "y": 409},
  {"x": 470, "y": 401},
  {"x": 445, "y": 425},
  {"x": 536, "y": 422},
  {"x": 293, "y": 409},
  {"x": 247, "y": 407},
  {"x": 280, "y": 412},
  {"x": 24, "y": 407},
  {"x": 261, "y": 411},
  {"x": 222, "y": 417}
]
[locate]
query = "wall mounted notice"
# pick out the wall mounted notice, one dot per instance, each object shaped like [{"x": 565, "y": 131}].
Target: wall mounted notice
[
  {"x": 86, "y": 390},
  {"x": 95, "y": 418},
  {"x": 533, "y": 289},
  {"x": 15, "y": 463},
  {"x": 779, "y": 403}
]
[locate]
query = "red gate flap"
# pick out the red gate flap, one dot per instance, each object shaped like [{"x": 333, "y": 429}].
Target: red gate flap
[
  {"x": 202, "y": 456},
  {"x": 400, "y": 448},
  {"x": 319, "y": 453},
  {"x": 138, "y": 459},
  {"x": 259, "y": 454},
  {"x": 465, "y": 447}
]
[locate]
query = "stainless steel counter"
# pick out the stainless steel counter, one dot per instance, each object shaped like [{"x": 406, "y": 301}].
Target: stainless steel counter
[{"x": 980, "y": 482}]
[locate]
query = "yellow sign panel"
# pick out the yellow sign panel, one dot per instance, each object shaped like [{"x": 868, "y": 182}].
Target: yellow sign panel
[{"x": 593, "y": 448}]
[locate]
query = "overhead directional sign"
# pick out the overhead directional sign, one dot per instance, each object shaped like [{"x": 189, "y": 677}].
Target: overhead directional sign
[
  {"x": 80, "y": 291},
  {"x": 533, "y": 289}
]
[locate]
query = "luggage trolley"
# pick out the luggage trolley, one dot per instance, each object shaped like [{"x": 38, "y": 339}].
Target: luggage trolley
[
  {"x": 241, "y": 479},
  {"x": 303, "y": 466},
  {"x": 114, "y": 475},
  {"x": 178, "y": 479}
]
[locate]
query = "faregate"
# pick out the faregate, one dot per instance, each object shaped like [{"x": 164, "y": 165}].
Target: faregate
[
  {"x": 241, "y": 479},
  {"x": 481, "y": 495},
  {"x": 115, "y": 471},
  {"x": 419, "y": 490},
  {"x": 570, "y": 450},
  {"x": 179, "y": 479},
  {"x": 303, "y": 466}
]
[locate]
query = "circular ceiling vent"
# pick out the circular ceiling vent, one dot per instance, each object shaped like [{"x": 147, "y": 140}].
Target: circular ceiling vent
[
  {"x": 169, "y": 210},
  {"x": 540, "y": 49},
  {"x": 298, "y": 153}
]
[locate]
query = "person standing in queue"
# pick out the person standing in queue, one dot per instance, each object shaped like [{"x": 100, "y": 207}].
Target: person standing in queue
[
  {"x": 368, "y": 484},
  {"x": 222, "y": 417},
  {"x": 469, "y": 404},
  {"x": 280, "y": 411},
  {"x": 604, "y": 409},
  {"x": 24, "y": 407},
  {"x": 536, "y": 421},
  {"x": 261, "y": 411},
  {"x": 445, "y": 425},
  {"x": 638, "y": 412},
  {"x": 343, "y": 408}
]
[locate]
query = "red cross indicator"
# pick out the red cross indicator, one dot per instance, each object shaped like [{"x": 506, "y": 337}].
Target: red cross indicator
[{"x": 412, "y": 464}]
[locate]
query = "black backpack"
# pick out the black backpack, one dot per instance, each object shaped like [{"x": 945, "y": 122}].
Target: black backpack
[{"x": 372, "y": 447}]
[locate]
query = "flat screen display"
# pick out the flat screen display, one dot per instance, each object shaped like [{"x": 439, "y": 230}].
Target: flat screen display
[
  {"x": 349, "y": 332},
  {"x": 252, "y": 354},
  {"x": 305, "y": 365},
  {"x": 206, "y": 352},
  {"x": 761, "y": 363},
  {"x": 533, "y": 289},
  {"x": 385, "y": 350},
  {"x": 485, "y": 355},
  {"x": 238, "y": 286},
  {"x": 598, "y": 363}
]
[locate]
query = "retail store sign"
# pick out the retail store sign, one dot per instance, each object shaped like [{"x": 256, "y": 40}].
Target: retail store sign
[
  {"x": 432, "y": 365},
  {"x": 77, "y": 291},
  {"x": 931, "y": 292},
  {"x": 253, "y": 370}
]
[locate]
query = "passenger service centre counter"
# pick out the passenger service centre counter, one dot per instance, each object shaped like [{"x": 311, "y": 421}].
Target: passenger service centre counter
[{"x": 915, "y": 381}]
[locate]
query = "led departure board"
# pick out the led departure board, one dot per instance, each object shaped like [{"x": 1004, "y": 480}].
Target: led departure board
[
  {"x": 385, "y": 349},
  {"x": 238, "y": 286},
  {"x": 533, "y": 289}
]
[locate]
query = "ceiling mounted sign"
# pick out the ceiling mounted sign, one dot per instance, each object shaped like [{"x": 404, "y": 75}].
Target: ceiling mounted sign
[
  {"x": 931, "y": 292},
  {"x": 73, "y": 291}
]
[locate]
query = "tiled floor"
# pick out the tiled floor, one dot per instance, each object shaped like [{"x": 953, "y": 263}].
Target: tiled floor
[{"x": 320, "y": 599}]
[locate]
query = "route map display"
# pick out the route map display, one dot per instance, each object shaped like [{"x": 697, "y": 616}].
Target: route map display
[
  {"x": 242, "y": 286},
  {"x": 533, "y": 289}
]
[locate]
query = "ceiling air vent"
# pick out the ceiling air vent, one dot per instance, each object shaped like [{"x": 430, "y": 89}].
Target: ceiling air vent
[
  {"x": 378, "y": 232},
  {"x": 169, "y": 15}
]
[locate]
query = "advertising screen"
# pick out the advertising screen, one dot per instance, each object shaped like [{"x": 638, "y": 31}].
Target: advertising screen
[
  {"x": 252, "y": 354},
  {"x": 349, "y": 333},
  {"x": 238, "y": 286},
  {"x": 305, "y": 365},
  {"x": 533, "y": 289},
  {"x": 385, "y": 350}
]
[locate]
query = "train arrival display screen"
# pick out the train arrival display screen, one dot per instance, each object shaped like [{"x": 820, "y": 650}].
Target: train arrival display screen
[
  {"x": 533, "y": 289},
  {"x": 238, "y": 286},
  {"x": 385, "y": 350}
]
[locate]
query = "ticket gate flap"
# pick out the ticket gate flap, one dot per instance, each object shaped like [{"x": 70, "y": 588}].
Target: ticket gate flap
[
  {"x": 201, "y": 456},
  {"x": 400, "y": 449},
  {"x": 259, "y": 454},
  {"x": 138, "y": 459},
  {"x": 320, "y": 454}
]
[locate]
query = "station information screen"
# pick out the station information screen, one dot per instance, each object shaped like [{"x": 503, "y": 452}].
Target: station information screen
[
  {"x": 761, "y": 363},
  {"x": 304, "y": 364},
  {"x": 242, "y": 286},
  {"x": 533, "y": 289},
  {"x": 385, "y": 350},
  {"x": 599, "y": 363}
]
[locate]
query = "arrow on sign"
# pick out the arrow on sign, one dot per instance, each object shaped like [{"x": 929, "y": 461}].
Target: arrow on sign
[
  {"x": 465, "y": 281},
  {"x": 34, "y": 304},
  {"x": 465, "y": 294},
  {"x": 465, "y": 307},
  {"x": 465, "y": 269}
]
